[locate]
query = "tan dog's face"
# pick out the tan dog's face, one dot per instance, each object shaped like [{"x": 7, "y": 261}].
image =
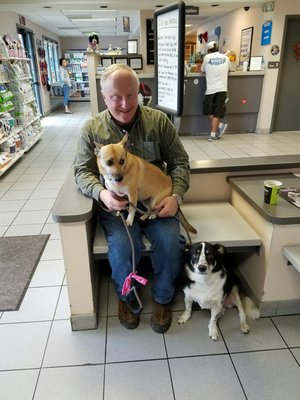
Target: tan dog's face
[{"x": 111, "y": 160}]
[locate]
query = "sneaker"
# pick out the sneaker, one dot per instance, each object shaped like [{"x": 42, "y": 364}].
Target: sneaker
[
  {"x": 161, "y": 317},
  {"x": 212, "y": 138},
  {"x": 126, "y": 317},
  {"x": 221, "y": 129}
]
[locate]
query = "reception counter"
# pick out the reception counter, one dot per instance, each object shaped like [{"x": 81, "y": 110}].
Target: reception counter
[{"x": 244, "y": 92}]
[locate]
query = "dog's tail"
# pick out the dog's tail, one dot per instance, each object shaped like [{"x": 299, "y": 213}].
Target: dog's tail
[
  {"x": 184, "y": 222},
  {"x": 250, "y": 308}
]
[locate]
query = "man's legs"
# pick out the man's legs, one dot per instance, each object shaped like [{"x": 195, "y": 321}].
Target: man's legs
[
  {"x": 166, "y": 257},
  {"x": 120, "y": 259},
  {"x": 215, "y": 121}
]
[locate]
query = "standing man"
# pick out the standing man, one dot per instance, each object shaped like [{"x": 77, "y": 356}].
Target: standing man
[
  {"x": 216, "y": 67},
  {"x": 154, "y": 138}
]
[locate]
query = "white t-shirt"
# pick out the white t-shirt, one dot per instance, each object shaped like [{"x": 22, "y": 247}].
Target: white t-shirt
[{"x": 216, "y": 67}]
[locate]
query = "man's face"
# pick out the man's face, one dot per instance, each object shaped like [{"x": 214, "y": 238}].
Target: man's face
[{"x": 120, "y": 94}]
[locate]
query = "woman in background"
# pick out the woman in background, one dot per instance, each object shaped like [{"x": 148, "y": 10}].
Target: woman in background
[{"x": 65, "y": 80}]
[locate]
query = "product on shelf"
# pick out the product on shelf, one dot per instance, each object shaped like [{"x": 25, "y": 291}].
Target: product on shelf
[
  {"x": 20, "y": 124},
  {"x": 79, "y": 73}
]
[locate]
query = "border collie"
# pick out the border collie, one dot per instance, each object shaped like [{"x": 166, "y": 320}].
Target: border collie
[{"x": 211, "y": 283}]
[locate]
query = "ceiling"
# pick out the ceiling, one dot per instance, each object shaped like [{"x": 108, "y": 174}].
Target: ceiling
[{"x": 73, "y": 18}]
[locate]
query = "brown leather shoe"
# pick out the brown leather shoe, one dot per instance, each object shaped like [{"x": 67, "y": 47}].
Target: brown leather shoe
[
  {"x": 126, "y": 317},
  {"x": 161, "y": 317}
]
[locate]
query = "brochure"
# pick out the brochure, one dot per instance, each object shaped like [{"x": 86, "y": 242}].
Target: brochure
[{"x": 291, "y": 194}]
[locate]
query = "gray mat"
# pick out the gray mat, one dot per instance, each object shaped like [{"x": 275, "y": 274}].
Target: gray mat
[{"x": 19, "y": 256}]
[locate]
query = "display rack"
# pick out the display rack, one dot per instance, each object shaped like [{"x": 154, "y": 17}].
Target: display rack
[
  {"x": 20, "y": 121},
  {"x": 79, "y": 74}
]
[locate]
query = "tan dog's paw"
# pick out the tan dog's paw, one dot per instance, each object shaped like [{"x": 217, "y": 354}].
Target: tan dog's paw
[{"x": 129, "y": 220}]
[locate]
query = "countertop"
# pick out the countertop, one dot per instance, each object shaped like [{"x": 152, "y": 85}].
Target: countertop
[
  {"x": 251, "y": 188},
  {"x": 141, "y": 75}
]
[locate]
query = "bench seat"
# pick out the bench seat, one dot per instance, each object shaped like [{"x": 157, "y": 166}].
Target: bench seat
[
  {"x": 215, "y": 222},
  {"x": 292, "y": 254}
]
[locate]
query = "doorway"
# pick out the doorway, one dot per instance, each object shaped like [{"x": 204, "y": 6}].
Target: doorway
[
  {"x": 286, "y": 115},
  {"x": 26, "y": 38}
]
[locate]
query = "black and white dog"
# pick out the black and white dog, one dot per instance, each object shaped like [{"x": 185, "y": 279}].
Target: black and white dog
[{"x": 211, "y": 283}]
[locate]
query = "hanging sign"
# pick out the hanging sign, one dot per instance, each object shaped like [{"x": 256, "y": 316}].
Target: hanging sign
[{"x": 266, "y": 33}]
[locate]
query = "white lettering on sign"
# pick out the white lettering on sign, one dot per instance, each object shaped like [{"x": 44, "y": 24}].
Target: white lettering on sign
[{"x": 167, "y": 59}]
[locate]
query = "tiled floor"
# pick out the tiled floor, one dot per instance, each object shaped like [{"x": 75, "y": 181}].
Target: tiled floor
[{"x": 42, "y": 359}]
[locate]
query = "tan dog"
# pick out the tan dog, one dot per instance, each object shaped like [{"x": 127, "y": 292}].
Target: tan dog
[{"x": 128, "y": 175}]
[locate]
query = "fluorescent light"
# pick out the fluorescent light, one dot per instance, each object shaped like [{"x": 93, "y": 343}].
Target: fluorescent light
[{"x": 93, "y": 19}]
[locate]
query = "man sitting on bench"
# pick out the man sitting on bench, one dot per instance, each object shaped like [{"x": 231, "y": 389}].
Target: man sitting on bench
[{"x": 153, "y": 137}]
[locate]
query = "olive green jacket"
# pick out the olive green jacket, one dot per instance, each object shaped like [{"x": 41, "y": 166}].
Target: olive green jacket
[{"x": 152, "y": 137}]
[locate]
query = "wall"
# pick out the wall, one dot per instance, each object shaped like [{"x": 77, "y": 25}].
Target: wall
[
  {"x": 231, "y": 25},
  {"x": 82, "y": 42},
  {"x": 282, "y": 9}
]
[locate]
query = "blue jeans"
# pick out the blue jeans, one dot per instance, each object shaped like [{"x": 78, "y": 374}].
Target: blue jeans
[
  {"x": 167, "y": 246},
  {"x": 66, "y": 93}
]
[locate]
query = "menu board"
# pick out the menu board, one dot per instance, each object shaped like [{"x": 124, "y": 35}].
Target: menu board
[{"x": 169, "y": 27}]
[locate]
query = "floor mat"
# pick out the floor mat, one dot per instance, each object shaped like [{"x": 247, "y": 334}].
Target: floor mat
[{"x": 19, "y": 256}]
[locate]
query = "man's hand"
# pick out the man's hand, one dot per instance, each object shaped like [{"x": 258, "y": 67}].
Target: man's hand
[
  {"x": 168, "y": 206},
  {"x": 111, "y": 201}
]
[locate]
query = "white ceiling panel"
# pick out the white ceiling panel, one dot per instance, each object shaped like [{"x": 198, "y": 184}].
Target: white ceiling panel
[{"x": 53, "y": 14}]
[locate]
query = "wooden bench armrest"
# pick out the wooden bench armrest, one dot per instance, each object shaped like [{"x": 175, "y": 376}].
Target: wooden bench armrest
[{"x": 71, "y": 205}]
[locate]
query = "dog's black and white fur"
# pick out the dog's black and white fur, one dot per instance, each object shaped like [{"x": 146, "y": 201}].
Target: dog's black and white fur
[{"x": 212, "y": 284}]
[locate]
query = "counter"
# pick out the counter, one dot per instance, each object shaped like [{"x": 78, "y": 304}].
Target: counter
[
  {"x": 244, "y": 91},
  {"x": 270, "y": 278}
]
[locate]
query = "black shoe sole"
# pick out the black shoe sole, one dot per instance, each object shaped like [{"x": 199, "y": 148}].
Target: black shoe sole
[
  {"x": 130, "y": 325},
  {"x": 159, "y": 328}
]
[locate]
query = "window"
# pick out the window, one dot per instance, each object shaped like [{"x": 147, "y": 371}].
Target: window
[{"x": 51, "y": 55}]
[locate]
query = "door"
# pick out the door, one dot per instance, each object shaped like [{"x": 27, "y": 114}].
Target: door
[
  {"x": 287, "y": 111},
  {"x": 27, "y": 40}
]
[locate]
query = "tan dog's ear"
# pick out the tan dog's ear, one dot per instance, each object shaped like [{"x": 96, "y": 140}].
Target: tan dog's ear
[
  {"x": 97, "y": 148},
  {"x": 124, "y": 140}
]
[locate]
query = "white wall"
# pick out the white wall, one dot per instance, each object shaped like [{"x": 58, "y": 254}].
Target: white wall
[
  {"x": 282, "y": 9},
  {"x": 231, "y": 25}
]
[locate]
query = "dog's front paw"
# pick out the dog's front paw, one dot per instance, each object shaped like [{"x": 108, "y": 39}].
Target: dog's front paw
[
  {"x": 129, "y": 220},
  {"x": 213, "y": 330},
  {"x": 244, "y": 327},
  {"x": 184, "y": 317}
]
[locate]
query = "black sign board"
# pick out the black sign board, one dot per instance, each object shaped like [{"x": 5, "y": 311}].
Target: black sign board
[
  {"x": 150, "y": 40},
  {"x": 169, "y": 28}
]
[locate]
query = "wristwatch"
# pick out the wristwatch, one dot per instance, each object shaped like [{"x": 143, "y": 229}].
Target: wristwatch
[{"x": 178, "y": 198}]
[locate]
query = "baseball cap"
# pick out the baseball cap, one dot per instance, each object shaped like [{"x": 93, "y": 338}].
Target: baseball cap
[{"x": 211, "y": 45}]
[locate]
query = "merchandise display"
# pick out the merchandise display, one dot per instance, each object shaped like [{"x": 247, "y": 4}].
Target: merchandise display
[
  {"x": 20, "y": 124},
  {"x": 79, "y": 74}
]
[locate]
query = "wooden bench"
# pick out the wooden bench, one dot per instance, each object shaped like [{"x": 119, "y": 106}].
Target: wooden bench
[
  {"x": 83, "y": 242},
  {"x": 215, "y": 222},
  {"x": 292, "y": 254}
]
